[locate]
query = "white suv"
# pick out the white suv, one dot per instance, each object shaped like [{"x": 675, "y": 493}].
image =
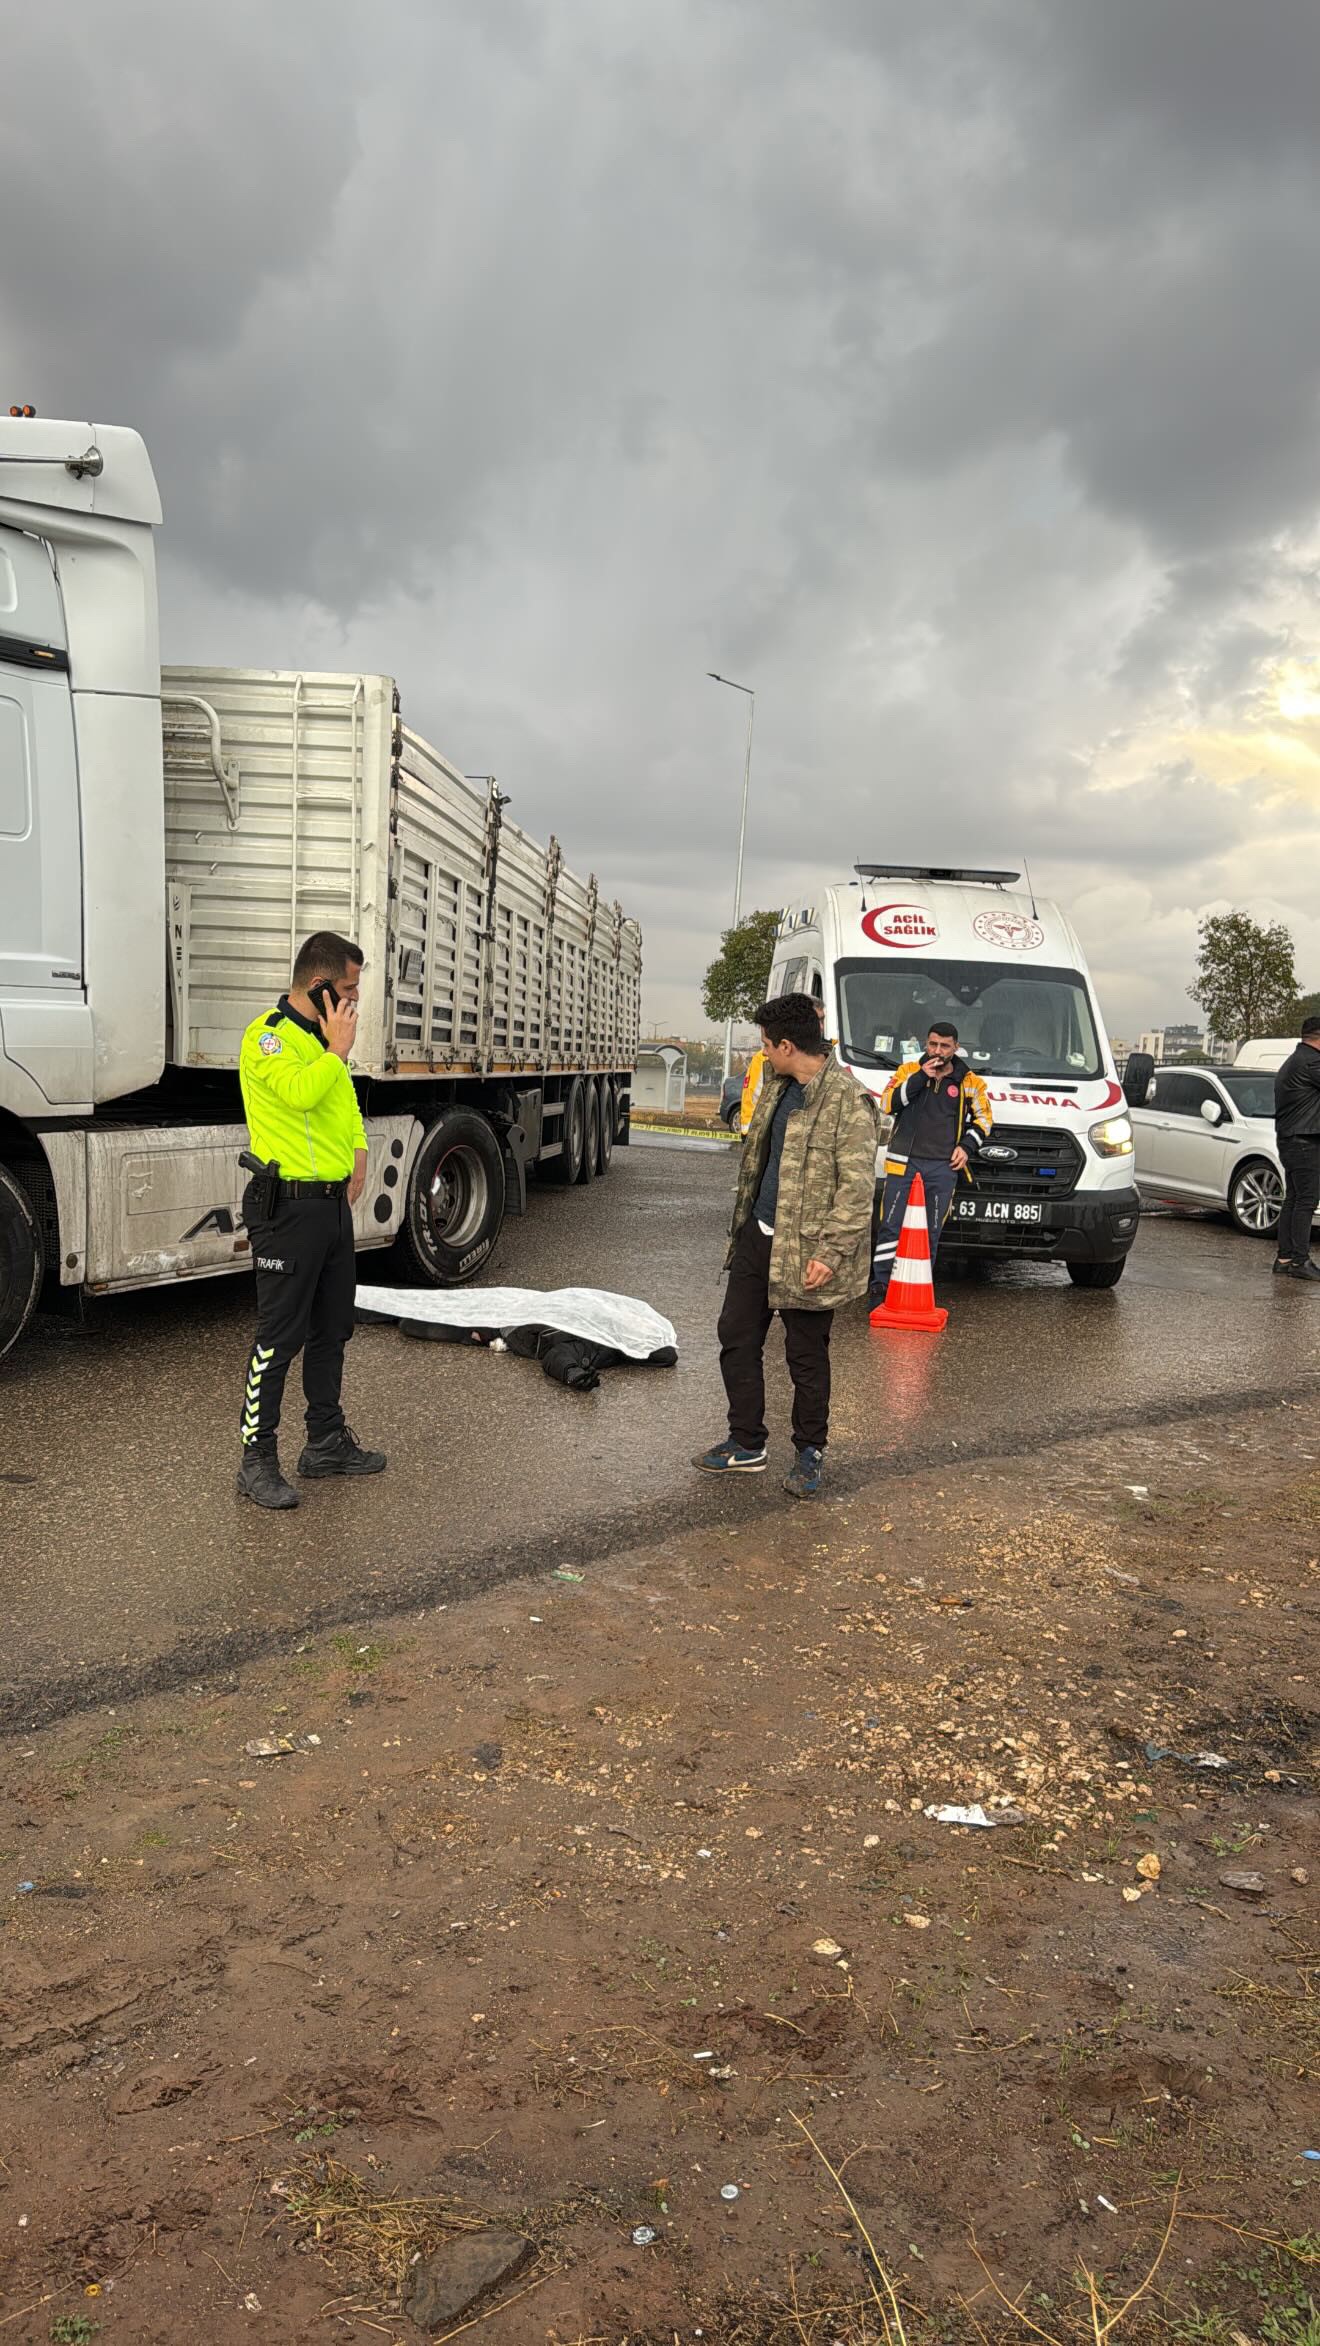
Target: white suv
[{"x": 1205, "y": 1137}]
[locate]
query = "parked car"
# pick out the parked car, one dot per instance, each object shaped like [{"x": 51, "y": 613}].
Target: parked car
[
  {"x": 1205, "y": 1137},
  {"x": 731, "y": 1102}
]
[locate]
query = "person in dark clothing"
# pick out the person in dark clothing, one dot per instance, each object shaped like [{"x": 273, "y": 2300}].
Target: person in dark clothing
[
  {"x": 941, "y": 1118},
  {"x": 800, "y": 1239},
  {"x": 1297, "y": 1129}
]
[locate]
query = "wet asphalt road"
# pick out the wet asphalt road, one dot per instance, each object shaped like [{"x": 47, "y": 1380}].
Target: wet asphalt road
[{"x": 128, "y": 1562}]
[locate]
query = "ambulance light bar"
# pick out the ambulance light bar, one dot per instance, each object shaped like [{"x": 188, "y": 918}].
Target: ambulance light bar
[{"x": 928, "y": 871}]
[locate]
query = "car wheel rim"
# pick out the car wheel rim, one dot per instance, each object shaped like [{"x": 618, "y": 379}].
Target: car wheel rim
[
  {"x": 456, "y": 1200},
  {"x": 1259, "y": 1200}
]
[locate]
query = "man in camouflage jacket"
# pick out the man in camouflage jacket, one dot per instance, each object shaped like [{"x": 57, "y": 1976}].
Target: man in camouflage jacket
[{"x": 800, "y": 1242}]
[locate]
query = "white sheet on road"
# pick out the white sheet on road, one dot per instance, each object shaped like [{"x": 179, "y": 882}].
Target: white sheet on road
[{"x": 620, "y": 1321}]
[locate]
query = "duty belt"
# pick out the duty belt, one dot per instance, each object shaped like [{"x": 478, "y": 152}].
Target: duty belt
[{"x": 314, "y": 1188}]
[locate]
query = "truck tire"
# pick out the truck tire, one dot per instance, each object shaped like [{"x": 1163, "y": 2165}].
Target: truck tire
[
  {"x": 21, "y": 1260},
  {"x": 1255, "y": 1198},
  {"x": 566, "y": 1168},
  {"x": 1097, "y": 1274},
  {"x": 455, "y": 1201},
  {"x": 609, "y": 1117},
  {"x": 590, "y": 1132}
]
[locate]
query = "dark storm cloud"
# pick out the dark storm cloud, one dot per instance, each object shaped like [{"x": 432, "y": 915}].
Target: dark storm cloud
[{"x": 949, "y": 374}]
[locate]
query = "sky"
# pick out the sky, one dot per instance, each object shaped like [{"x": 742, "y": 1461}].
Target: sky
[{"x": 947, "y": 373}]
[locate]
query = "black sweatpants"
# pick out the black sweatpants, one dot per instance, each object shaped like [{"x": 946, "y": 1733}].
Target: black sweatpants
[
  {"x": 1300, "y": 1159},
  {"x": 744, "y": 1326},
  {"x": 306, "y": 1275}
]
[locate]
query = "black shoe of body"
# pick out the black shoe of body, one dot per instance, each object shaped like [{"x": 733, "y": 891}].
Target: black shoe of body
[
  {"x": 1306, "y": 1270},
  {"x": 340, "y": 1453},
  {"x": 260, "y": 1480},
  {"x": 1282, "y": 1265}
]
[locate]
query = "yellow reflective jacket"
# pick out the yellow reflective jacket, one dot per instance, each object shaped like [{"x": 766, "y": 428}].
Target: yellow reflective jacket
[
  {"x": 298, "y": 1098},
  {"x": 972, "y": 1124},
  {"x": 751, "y": 1089}
]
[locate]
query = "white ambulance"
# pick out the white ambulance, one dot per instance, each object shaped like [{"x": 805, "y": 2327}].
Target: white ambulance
[{"x": 903, "y": 945}]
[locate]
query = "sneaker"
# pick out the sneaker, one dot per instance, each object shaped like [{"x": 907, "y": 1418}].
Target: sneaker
[
  {"x": 1283, "y": 1264},
  {"x": 260, "y": 1480},
  {"x": 804, "y": 1480},
  {"x": 731, "y": 1458},
  {"x": 340, "y": 1453},
  {"x": 1306, "y": 1270}
]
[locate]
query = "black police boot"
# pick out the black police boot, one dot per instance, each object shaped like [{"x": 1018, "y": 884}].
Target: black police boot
[
  {"x": 340, "y": 1453},
  {"x": 259, "y": 1477},
  {"x": 1306, "y": 1270}
]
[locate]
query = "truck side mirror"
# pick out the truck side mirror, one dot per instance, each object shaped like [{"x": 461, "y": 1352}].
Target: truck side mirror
[{"x": 1138, "y": 1076}]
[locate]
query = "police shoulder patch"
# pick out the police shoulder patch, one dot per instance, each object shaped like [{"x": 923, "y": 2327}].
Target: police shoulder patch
[{"x": 271, "y": 1045}]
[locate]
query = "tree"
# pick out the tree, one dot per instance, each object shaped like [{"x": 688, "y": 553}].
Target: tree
[
  {"x": 1246, "y": 980},
  {"x": 1308, "y": 1007},
  {"x": 734, "y": 985}
]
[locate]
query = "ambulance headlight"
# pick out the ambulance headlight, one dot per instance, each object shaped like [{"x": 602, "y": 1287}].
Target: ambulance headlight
[{"x": 1112, "y": 1138}]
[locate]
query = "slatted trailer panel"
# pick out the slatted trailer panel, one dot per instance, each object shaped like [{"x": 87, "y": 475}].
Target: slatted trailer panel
[{"x": 296, "y": 802}]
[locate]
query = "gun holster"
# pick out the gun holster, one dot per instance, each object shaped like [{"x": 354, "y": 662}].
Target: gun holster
[{"x": 265, "y": 1186}]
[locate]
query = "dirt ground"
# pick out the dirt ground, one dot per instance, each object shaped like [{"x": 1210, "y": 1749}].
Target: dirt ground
[{"x": 523, "y": 1931}]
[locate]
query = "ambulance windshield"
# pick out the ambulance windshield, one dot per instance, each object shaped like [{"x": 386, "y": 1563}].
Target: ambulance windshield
[{"x": 1011, "y": 1020}]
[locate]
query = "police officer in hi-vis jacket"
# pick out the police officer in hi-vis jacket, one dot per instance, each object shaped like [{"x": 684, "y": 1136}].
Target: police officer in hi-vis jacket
[{"x": 306, "y": 1128}]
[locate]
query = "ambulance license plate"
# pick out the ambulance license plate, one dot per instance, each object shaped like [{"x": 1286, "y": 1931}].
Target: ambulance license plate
[{"x": 1008, "y": 1210}]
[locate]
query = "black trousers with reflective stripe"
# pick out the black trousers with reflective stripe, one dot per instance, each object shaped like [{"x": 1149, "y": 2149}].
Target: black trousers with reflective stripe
[{"x": 306, "y": 1276}]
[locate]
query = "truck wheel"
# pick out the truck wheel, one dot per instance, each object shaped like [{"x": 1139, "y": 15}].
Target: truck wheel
[
  {"x": 1255, "y": 1198},
  {"x": 455, "y": 1199},
  {"x": 1097, "y": 1274},
  {"x": 566, "y": 1168},
  {"x": 21, "y": 1260},
  {"x": 590, "y": 1133},
  {"x": 609, "y": 1116}
]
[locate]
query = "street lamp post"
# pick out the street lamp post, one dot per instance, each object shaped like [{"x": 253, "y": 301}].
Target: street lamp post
[{"x": 749, "y": 690}]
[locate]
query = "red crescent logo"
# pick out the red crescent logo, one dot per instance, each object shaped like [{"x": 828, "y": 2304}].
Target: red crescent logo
[
  {"x": 1113, "y": 1095},
  {"x": 875, "y": 926}
]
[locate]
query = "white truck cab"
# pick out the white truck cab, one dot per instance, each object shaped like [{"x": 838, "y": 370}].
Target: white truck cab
[
  {"x": 167, "y": 839},
  {"x": 902, "y": 945}
]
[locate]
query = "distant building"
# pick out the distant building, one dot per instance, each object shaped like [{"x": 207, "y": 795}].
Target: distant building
[
  {"x": 1122, "y": 1051},
  {"x": 1168, "y": 1043}
]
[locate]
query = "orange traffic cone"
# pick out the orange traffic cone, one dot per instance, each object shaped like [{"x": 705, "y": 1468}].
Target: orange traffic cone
[{"x": 910, "y": 1297}]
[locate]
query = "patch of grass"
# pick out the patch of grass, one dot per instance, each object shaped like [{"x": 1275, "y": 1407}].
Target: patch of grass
[
  {"x": 73, "y": 2329},
  {"x": 1214, "y": 2328},
  {"x": 318, "y": 2124},
  {"x": 1293, "y": 2013},
  {"x": 1288, "y": 2314},
  {"x": 1244, "y": 1837},
  {"x": 371, "y": 2240},
  {"x": 97, "y": 1762},
  {"x": 358, "y": 1653},
  {"x": 1266, "y": 2302}
]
